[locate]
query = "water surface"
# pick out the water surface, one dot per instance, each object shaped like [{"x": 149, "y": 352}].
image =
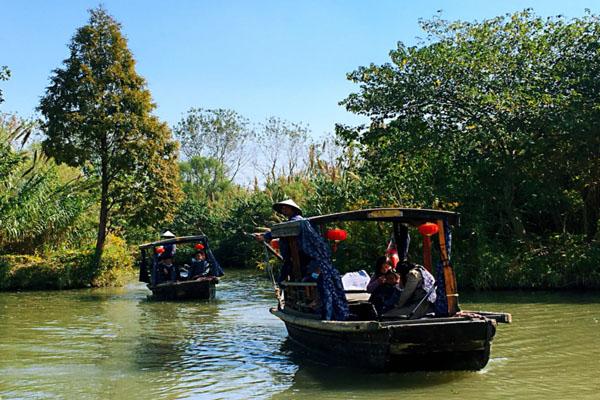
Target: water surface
[{"x": 114, "y": 343}]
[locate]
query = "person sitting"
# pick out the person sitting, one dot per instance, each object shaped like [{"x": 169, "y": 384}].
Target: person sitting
[
  {"x": 418, "y": 296},
  {"x": 378, "y": 278},
  {"x": 165, "y": 268},
  {"x": 387, "y": 294},
  {"x": 200, "y": 267}
]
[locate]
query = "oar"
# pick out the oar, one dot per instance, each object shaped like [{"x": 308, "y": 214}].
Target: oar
[
  {"x": 268, "y": 249},
  {"x": 267, "y": 246}
]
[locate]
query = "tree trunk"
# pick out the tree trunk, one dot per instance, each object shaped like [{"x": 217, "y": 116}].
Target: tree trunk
[{"x": 103, "y": 221}]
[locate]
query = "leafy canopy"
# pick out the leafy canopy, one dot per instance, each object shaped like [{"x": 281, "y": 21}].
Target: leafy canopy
[{"x": 97, "y": 115}]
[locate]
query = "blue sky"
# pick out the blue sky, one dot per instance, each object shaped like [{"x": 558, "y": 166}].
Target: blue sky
[{"x": 261, "y": 58}]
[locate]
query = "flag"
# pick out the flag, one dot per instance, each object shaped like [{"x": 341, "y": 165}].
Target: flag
[{"x": 392, "y": 253}]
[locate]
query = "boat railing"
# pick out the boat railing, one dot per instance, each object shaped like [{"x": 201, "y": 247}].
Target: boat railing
[{"x": 301, "y": 296}]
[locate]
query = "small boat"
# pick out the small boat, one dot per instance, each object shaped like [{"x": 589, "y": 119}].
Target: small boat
[
  {"x": 183, "y": 282},
  {"x": 450, "y": 339}
]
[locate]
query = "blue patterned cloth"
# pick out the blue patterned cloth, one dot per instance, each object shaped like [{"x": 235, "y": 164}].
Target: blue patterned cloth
[
  {"x": 215, "y": 268},
  {"x": 334, "y": 305}
]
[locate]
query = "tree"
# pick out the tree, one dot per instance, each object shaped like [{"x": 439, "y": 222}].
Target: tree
[
  {"x": 219, "y": 134},
  {"x": 4, "y": 75},
  {"x": 282, "y": 145},
  {"x": 498, "y": 118},
  {"x": 97, "y": 115}
]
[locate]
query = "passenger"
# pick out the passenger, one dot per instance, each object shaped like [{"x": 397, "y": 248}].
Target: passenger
[
  {"x": 200, "y": 267},
  {"x": 378, "y": 278},
  {"x": 419, "y": 287},
  {"x": 386, "y": 294},
  {"x": 165, "y": 268}
]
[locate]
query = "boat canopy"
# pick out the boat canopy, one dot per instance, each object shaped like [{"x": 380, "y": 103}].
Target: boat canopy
[
  {"x": 413, "y": 216},
  {"x": 177, "y": 240}
]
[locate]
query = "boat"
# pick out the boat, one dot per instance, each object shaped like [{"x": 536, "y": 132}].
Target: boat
[
  {"x": 180, "y": 285},
  {"x": 450, "y": 339}
]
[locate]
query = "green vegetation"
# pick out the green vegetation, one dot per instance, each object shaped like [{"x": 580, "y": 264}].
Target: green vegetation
[
  {"x": 97, "y": 116},
  {"x": 496, "y": 120}
]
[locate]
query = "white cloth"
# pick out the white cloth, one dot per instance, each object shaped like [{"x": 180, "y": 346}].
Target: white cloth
[{"x": 356, "y": 280}]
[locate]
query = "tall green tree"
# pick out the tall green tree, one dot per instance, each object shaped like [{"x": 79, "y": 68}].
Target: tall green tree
[
  {"x": 498, "y": 118},
  {"x": 97, "y": 115}
]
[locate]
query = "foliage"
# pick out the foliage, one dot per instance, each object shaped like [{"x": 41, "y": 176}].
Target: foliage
[
  {"x": 497, "y": 117},
  {"x": 562, "y": 261},
  {"x": 497, "y": 121},
  {"x": 97, "y": 116},
  {"x": 217, "y": 134},
  {"x": 40, "y": 202},
  {"x": 283, "y": 146},
  {"x": 67, "y": 269},
  {"x": 4, "y": 75}
]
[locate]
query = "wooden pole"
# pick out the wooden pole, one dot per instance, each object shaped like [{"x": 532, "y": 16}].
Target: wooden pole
[
  {"x": 427, "y": 252},
  {"x": 449, "y": 276}
]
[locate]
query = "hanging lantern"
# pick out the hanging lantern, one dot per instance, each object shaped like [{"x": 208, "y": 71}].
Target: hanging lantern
[
  {"x": 159, "y": 250},
  {"x": 336, "y": 234},
  {"x": 428, "y": 229},
  {"x": 275, "y": 244},
  {"x": 199, "y": 246}
]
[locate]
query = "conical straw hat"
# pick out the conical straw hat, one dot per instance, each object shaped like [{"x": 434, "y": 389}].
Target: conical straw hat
[
  {"x": 167, "y": 234},
  {"x": 288, "y": 202}
]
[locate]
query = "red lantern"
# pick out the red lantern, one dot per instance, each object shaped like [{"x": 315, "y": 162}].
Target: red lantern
[
  {"x": 159, "y": 250},
  {"x": 336, "y": 234},
  {"x": 428, "y": 229},
  {"x": 275, "y": 244},
  {"x": 199, "y": 246}
]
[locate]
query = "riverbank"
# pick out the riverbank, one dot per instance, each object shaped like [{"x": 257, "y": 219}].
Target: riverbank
[{"x": 67, "y": 269}]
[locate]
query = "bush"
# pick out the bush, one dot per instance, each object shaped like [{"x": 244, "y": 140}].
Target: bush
[
  {"x": 561, "y": 261},
  {"x": 68, "y": 269}
]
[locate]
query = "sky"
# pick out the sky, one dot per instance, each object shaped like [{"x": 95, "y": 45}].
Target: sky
[{"x": 279, "y": 58}]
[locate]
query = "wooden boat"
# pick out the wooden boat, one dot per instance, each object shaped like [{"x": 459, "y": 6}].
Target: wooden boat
[
  {"x": 180, "y": 286},
  {"x": 456, "y": 340}
]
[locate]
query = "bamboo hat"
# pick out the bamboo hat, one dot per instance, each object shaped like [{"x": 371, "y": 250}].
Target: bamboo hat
[
  {"x": 289, "y": 203},
  {"x": 167, "y": 234}
]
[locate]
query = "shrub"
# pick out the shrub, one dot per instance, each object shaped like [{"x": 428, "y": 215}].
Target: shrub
[{"x": 67, "y": 269}]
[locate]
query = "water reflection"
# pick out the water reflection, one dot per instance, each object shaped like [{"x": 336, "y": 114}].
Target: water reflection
[{"x": 114, "y": 343}]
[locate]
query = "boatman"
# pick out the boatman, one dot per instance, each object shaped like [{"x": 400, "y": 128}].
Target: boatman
[
  {"x": 166, "y": 258},
  {"x": 293, "y": 212},
  {"x": 315, "y": 262}
]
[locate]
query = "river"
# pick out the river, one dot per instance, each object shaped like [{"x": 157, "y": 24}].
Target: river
[{"x": 114, "y": 343}]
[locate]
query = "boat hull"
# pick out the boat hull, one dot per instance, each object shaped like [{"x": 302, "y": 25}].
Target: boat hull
[
  {"x": 428, "y": 344},
  {"x": 198, "y": 289}
]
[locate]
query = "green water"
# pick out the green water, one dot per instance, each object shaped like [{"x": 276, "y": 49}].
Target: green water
[{"x": 114, "y": 343}]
